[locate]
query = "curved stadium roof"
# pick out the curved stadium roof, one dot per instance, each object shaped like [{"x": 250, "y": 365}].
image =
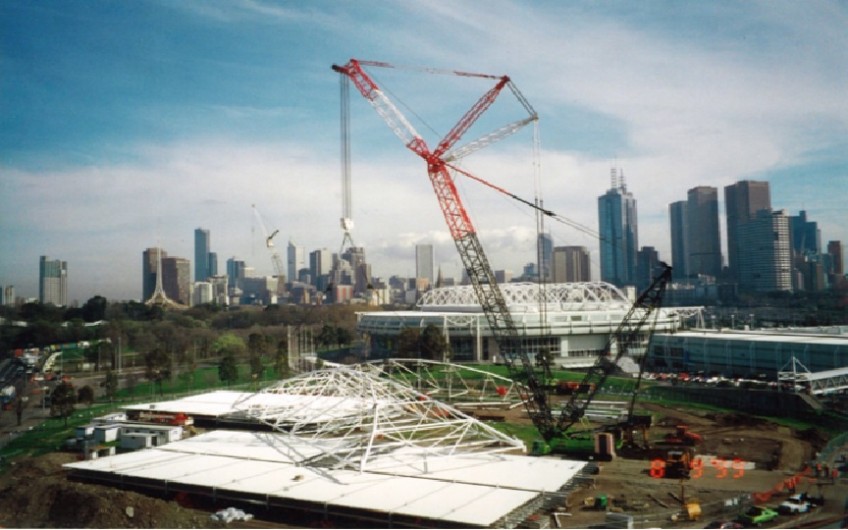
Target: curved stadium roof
[{"x": 578, "y": 296}]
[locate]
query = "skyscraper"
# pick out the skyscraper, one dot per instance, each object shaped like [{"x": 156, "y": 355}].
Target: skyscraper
[
  {"x": 806, "y": 236},
  {"x": 294, "y": 261},
  {"x": 320, "y": 265},
  {"x": 235, "y": 272},
  {"x": 545, "y": 250},
  {"x": 679, "y": 222},
  {"x": 647, "y": 262},
  {"x": 741, "y": 203},
  {"x": 835, "y": 269},
  {"x": 149, "y": 269},
  {"x": 618, "y": 228},
  {"x": 570, "y": 264},
  {"x": 176, "y": 279},
  {"x": 703, "y": 239},
  {"x": 53, "y": 281},
  {"x": 425, "y": 264},
  {"x": 765, "y": 263},
  {"x": 201, "y": 254}
]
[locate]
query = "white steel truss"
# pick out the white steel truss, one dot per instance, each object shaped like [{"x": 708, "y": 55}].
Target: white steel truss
[
  {"x": 458, "y": 384},
  {"x": 343, "y": 418},
  {"x": 565, "y": 296}
]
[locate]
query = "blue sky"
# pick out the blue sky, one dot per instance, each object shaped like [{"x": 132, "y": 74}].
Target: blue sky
[{"x": 124, "y": 124}]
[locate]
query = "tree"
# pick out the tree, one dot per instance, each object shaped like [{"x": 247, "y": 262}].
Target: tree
[
  {"x": 62, "y": 400},
  {"x": 228, "y": 369},
  {"x": 327, "y": 336},
  {"x": 281, "y": 360},
  {"x": 256, "y": 366},
  {"x": 85, "y": 395},
  {"x": 229, "y": 344},
  {"x": 408, "y": 343},
  {"x": 433, "y": 344},
  {"x": 110, "y": 384},
  {"x": 256, "y": 343},
  {"x": 94, "y": 309},
  {"x": 157, "y": 365},
  {"x": 344, "y": 336}
]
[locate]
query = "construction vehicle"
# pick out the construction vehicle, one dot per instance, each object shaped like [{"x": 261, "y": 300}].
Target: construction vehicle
[
  {"x": 683, "y": 436},
  {"x": 678, "y": 463},
  {"x": 555, "y": 429}
]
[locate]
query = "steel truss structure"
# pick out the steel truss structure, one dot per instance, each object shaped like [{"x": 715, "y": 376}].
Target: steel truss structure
[
  {"x": 566, "y": 296},
  {"x": 464, "y": 386},
  {"x": 343, "y": 418}
]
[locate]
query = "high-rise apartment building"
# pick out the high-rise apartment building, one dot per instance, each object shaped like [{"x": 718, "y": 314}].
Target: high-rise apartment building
[
  {"x": 765, "y": 265},
  {"x": 570, "y": 264},
  {"x": 294, "y": 261},
  {"x": 545, "y": 256},
  {"x": 677, "y": 213},
  {"x": 703, "y": 239},
  {"x": 618, "y": 228},
  {"x": 742, "y": 201},
  {"x": 53, "y": 281},
  {"x": 425, "y": 264}
]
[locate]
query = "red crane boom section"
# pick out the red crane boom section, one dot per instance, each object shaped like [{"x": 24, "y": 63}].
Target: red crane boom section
[{"x": 458, "y": 220}]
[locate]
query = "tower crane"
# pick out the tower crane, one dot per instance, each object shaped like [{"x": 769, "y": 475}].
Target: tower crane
[
  {"x": 276, "y": 260},
  {"x": 439, "y": 161}
]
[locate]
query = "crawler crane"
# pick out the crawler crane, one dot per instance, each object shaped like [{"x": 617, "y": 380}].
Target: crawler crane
[{"x": 439, "y": 160}]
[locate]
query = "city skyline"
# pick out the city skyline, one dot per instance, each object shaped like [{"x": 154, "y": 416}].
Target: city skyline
[{"x": 135, "y": 124}]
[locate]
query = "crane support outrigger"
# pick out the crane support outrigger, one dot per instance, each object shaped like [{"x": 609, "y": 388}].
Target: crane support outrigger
[{"x": 468, "y": 245}]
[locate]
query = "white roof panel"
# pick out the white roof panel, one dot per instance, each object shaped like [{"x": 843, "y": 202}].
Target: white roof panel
[{"x": 466, "y": 489}]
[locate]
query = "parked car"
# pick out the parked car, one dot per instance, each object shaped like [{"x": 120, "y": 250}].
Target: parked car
[
  {"x": 724, "y": 524},
  {"x": 794, "y": 505},
  {"x": 757, "y": 515}
]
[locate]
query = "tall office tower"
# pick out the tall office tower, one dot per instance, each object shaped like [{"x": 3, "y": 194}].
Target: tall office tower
[
  {"x": 766, "y": 263},
  {"x": 149, "y": 269},
  {"x": 294, "y": 261},
  {"x": 703, "y": 237},
  {"x": 619, "y": 233},
  {"x": 320, "y": 265},
  {"x": 425, "y": 264},
  {"x": 835, "y": 269},
  {"x": 679, "y": 221},
  {"x": 570, "y": 264},
  {"x": 235, "y": 272},
  {"x": 176, "y": 279},
  {"x": 9, "y": 295},
  {"x": 806, "y": 236},
  {"x": 647, "y": 263},
  {"x": 53, "y": 281},
  {"x": 201, "y": 254},
  {"x": 545, "y": 256},
  {"x": 741, "y": 203},
  {"x": 360, "y": 268},
  {"x": 213, "y": 265}
]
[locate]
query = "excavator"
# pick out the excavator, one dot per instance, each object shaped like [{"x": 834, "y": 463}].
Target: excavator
[{"x": 555, "y": 428}]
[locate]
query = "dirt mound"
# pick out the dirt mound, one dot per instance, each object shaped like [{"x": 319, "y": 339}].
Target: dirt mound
[{"x": 35, "y": 493}]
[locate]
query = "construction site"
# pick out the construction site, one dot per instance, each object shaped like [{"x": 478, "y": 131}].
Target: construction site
[{"x": 427, "y": 444}]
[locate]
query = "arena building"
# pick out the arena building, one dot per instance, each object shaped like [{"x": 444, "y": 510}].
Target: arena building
[
  {"x": 751, "y": 353},
  {"x": 572, "y": 320}
]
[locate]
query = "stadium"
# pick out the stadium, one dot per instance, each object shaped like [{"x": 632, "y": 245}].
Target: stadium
[{"x": 573, "y": 321}]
